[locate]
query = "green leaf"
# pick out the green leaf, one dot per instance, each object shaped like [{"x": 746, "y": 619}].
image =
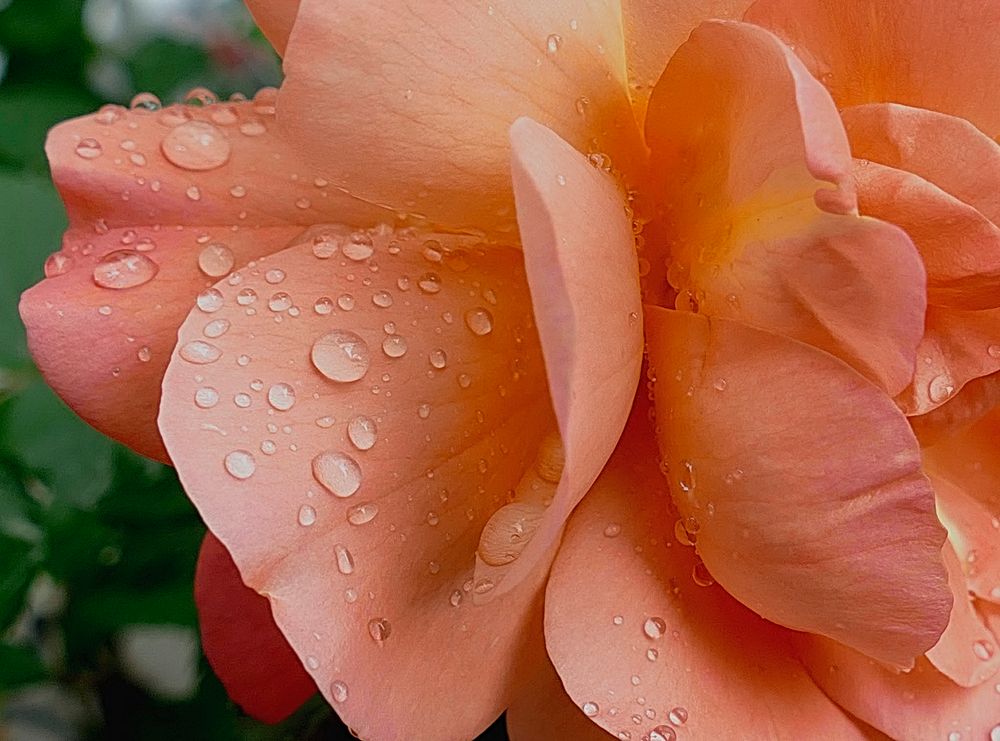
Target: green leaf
[
  {"x": 18, "y": 567},
  {"x": 27, "y": 112},
  {"x": 19, "y": 665}
]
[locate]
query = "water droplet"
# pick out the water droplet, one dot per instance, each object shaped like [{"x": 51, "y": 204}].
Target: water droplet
[
  {"x": 652, "y": 654},
  {"x": 508, "y": 531},
  {"x": 561, "y": 179},
  {"x": 483, "y": 586},
  {"x": 678, "y": 716},
  {"x": 940, "y": 388},
  {"x": 238, "y": 191},
  {"x": 216, "y": 328},
  {"x": 57, "y": 264},
  {"x": 424, "y": 411},
  {"x": 430, "y": 283},
  {"x": 145, "y": 102},
  {"x": 720, "y": 384},
  {"x": 337, "y": 472},
  {"x": 345, "y": 301},
  {"x": 654, "y": 627},
  {"x": 582, "y": 104},
  {"x": 341, "y": 356},
  {"x": 200, "y": 353},
  {"x": 274, "y": 276},
  {"x": 590, "y": 709},
  {"x": 144, "y": 354},
  {"x": 382, "y": 299},
  {"x": 246, "y": 297},
  {"x": 553, "y": 42},
  {"x": 89, "y": 149},
  {"x": 325, "y": 246},
  {"x": 551, "y": 458},
  {"x": 438, "y": 358},
  {"x": 464, "y": 380},
  {"x": 109, "y": 114},
  {"x": 323, "y": 306},
  {"x": 663, "y": 733},
  {"x": 193, "y": 193},
  {"x": 279, "y": 302},
  {"x": 379, "y": 629},
  {"x": 362, "y": 432},
  {"x": 345, "y": 560},
  {"x": 983, "y": 649},
  {"x": 479, "y": 320},
  {"x": 281, "y": 396},
  {"x": 701, "y": 575},
  {"x": 243, "y": 401},
  {"x": 613, "y": 530},
  {"x": 124, "y": 269},
  {"x": 253, "y": 128},
  {"x": 307, "y": 515},
  {"x": 394, "y": 346},
  {"x": 240, "y": 464},
  {"x": 358, "y": 247},
  {"x": 338, "y": 690},
  {"x": 206, "y": 398},
  {"x": 993, "y": 351},
  {"x": 455, "y": 599},
  {"x": 104, "y": 310},
  {"x": 196, "y": 145},
  {"x": 216, "y": 260},
  {"x": 362, "y": 514},
  {"x": 995, "y": 733}
]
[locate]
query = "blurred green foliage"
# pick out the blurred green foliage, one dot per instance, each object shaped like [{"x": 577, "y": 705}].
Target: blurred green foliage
[{"x": 95, "y": 540}]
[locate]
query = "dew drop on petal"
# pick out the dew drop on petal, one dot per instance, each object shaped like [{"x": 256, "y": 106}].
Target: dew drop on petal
[
  {"x": 654, "y": 627},
  {"x": 89, "y": 149},
  {"x": 325, "y": 246},
  {"x": 438, "y": 358},
  {"x": 240, "y": 464},
  {"x": 479, "y": 320},
  {"x": 394, "y": 346},
  {"x": 274, "y": 276},
  {"x": 246, "y": 297},
  {"x": 940, "y": 388},
  {"x": 345, "y": 301},
  {"x": 508, "y": 532},
  {"x": 200, "y": 353},
  {"x": 216, "y": 260},
  {"x": 281, "y": 396},
  {"x": 358, "y": 247},
  {"x": 362, "y": 432},
  {"x": 279, "y": 302},
  {"x": 124, "y": 269},
  {"x": 341, "y": 356},
  {"x": 678, "y": 716},
  {"x": 430, "y": 283},
  {"x": 338, "y": 690},
  {"x": 994, "y": 352},
  {"x": 382, "y": 299},
  {"x": 206, "y": 398},
  {"x": 590, "y": 709},
  {"x": 379, "y": 629},
  {"x": 307, "y": 515},
  {"x": 57, "y": 264},
  {"x": 337, "y": 472},
  {"x": 197, "y": 146},
  {"x": 362, "y": 514},
  {"x": 983, "y": 650},
  {"x": 663, "y": 733},
  {"x": 216, "y": 328},
  {"x": 323, "y": 306},
  {"x": 345, "y": 560}
]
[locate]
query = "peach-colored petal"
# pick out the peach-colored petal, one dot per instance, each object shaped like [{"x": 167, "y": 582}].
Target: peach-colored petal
[
  {"x": 976, "y": 399},
  {"x": 931, "y": 56},
  {"x": 583, "y": 274},
  {"x": 754, "y": 169},
  {"x": 921, "y": 704},
  {"x": 375, "y": 407},
  {"x": 767, "y": 439},
  {"x": 945, "y": 150},
  {"x": 640, "y": 644},
  {"x": 969, "y": 459},
  {"x": 245, "y": 648},
  {"x": 275, "y": 18},
  {"x": 409, "y": 104},
  {"x": 958, "y": 346},
  {"x": 967, "y": 652},
  {"x": 959, "y": 246},
  {"x": 167, "y": 187},
  {"x": 653, "y": 31}
]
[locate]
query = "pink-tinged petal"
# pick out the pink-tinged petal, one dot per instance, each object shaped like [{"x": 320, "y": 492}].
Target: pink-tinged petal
[
  {"x": 275, "y": 18},
  {"x": 375, "y": 407},
  {"x": 920, "y": 704},
  {"x": 583, "y": 274},
  {"x": 653, "y": 31},
  {"x": 977, "y": 398},
  {"x": 959, "y": 246},
  {"x": 541, "y": 709},
  {"x": 945, "y": 150},
  {"x": 967, "y": 652},
  {"x": 640, "y": 644},
  {"x": 247, "y": 652},
  {"x": 928, "y": 56},
  {"x": 958, "y": 346},
  {"x": 754, "y": 168},
  {"x": 409, "y": 104},
  {"x": 104, "y": 350},
  {"x": 168, "y": 188},
  {"x": 969, "y": 459},
  {"x": 767, "y": 438}
]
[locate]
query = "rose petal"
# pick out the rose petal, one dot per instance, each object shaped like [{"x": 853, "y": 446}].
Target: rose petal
[
  {"x": 116, "y": 170},
  {"x": 654, "y": 30},
  {"x": 582, "y": 270},
  {"x": 766, "y": 439},
  {"x": 922, "y": 703},
  {"x": 356, "y": 505},
  {"x": 944, "y": 150},
  {"x": 748, "y": 146},
  {"x": 967, "y": 652},
  {"x": 275, "y": 19},
  {"x": 959, "y": 246},
  {"x": 247, "y": 652},
  {"x": 887, "y": 52},
  {"x": 640, "y": 644},
  {"x": 977, "y": 398},
  {"x": 410, "y": 105},
  {"x": 969, "y": 460}
]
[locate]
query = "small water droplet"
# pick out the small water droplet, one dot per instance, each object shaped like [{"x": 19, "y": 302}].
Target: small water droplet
[
  {"x": 701, "y": 575},
  {"x": 553, "y": 42},
  {"x": 338, "y": 690},
  {"x": 337, "y": 472},
  {"x": 345, "y": 301},
  {"x": 323, "y": 306},
  {"x": 89, "y": 149},
  {"x": 678, "y": 716},
  {"x": 197, "y": 146},
  {"x": 561, "y": 179},
  {"x": 464, "y": 380},
  {"x": 240, "y": 464},
  {"x": 216, "y": 328},
  {"x": 479, "y": 320},
  {"x": 652, "y": 654},
  {"x": 654, "y": 627},
  {"x": 995, "y": 733},
  {"x": 993, "y": 351},
  {"x": 281, "y": 396},
  {"x": 424, "y": 411},
  {"x": 206, "y": 398},
  {"x": 341, "y": 356},
  {"x": 438, "y": 358},
  {"x": 279, "y": 302},
  {"x": 940, "y": 388},
  {"x": 362, "y": 432},
  {"x": 379, "y": 629},
  {"x": 274, "y": 276},
  {"x": 307, "y": 515},
  {"x": 57, "y": 264},
  {"x": 382, "y": 299},
  {"x": 253, "y": 128},
  {"x": 430, "y": 283},
  {"x": 590, "y": 709},
  {"x": 200, "y": 353},
  {"x": 144, "y": 354},
  {"x": 193, "y": 193},
  {"x": 394, "y": 346},
  {"x": 362, "y": 514},
  {"x": 359, "y": 247},
  {"x": 124, "y": 269},
  {"x": 663, "y": 733},
  {"x": 216, "y": 260},
  {"x": 508, "y": 532},
  {"x": 345, "y": 560},
  {"x": 455, "y": 599},
  {"x": 243, "y": 401},
  {"x": 246, "y": 297},
  {"x": 613, "y": 530},
  {"x": 983, "y": 649}
]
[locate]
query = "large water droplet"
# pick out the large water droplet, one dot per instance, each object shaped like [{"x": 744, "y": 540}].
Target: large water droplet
[
  {"x": 341, "y": 356},
  {"x": 654, "y": 627},
  {"x": 216, "y": 328},
  {"x": 210, "y": 300},
  {"x": 678, "y": 716},
  {"x": 479, "y": 320},
  {"x": 379, "y": 629},
  {"x": 196, "y": 145},
  {"x": 394, "y": 346},
  {"x": 240, "y": 464},
  {"x": 307, "y": 515},
  {"x": 57, "y": 264},
  {"x": 281, "y": 396},
  {"x": 940, "y": 388},
  {"x": 345, "y": 560},
  {"x": 200, "y": 353},
  {"x": 362, "y": 432},
  {"x": 124, "y": 269},
  {"x": 438, "y": 358},
  {"x": 358, "y": 247},
  {"x": 362, "y": 514},
  {"x": 206, "y": 398},
  {"x": 663, "y": 733},
  {"x": 337, "y": 472},
  {"x": 508, "y": 531},
  {"x": 216, "y": 260}
]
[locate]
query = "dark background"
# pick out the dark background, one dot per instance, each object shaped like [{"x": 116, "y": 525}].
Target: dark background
[{"x": 98, "y": 630}]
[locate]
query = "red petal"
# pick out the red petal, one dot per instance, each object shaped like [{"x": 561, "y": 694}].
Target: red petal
[{"x": 248, "y": 653}]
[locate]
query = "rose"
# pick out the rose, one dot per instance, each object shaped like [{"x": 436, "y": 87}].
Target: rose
[{"x": 359, "y": 514}]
